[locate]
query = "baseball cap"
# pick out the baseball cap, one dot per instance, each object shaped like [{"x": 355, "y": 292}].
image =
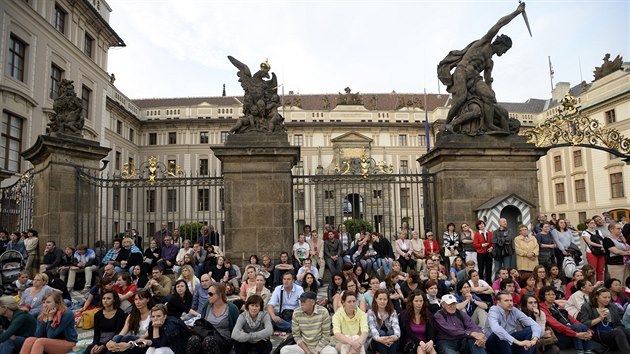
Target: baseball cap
[{"x": 449, "y": 299}]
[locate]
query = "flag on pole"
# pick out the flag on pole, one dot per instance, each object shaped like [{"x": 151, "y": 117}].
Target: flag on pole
[
  {"x": 427, "y": 129},
  {"x": 550, "y": 68}
]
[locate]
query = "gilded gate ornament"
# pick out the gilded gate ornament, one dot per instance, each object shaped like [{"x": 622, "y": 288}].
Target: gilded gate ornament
[
  {"x": 152, "y": 169},
  {"x": 572, "y": 128},
  {"x": 363, "y": 165}
]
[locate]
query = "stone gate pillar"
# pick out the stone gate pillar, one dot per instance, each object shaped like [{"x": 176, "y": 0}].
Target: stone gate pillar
[
  {"x": 55, "y": 160},
  {"x": 257, "y": 198},
  {"x": 469, "y": 170}
]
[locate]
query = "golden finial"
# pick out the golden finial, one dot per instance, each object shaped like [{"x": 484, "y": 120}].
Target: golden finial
[{"x": 265, "y": 66}]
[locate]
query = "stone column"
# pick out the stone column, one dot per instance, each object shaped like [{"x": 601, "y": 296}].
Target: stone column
[
  {"x": 258, "y": 197},
  {"x": 471, "y": 170},
  {"x": 55, "y": 160}
]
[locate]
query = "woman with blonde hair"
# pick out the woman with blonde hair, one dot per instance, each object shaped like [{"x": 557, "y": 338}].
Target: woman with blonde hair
[
  {"x": 55, "y": 331},
  {"x": 188, "y": 275},
  {"x": 32, "y": 298},
  {"x": 21, "y": 325}
]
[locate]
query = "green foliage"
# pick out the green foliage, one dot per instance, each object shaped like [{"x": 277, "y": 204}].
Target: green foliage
[
  {"x": 190, "y": 231},
  {"x": 119, "y": 235},
  {"x": 581, "y": 226},
  {"x": 357, "y": 225}
]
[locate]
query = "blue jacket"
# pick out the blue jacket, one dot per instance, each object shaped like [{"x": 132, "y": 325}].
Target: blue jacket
[{"x": 65, "y": 329}]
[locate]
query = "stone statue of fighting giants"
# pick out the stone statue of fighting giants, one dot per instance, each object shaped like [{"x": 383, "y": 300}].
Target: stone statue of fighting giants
[{"x": 474, "y": 108}]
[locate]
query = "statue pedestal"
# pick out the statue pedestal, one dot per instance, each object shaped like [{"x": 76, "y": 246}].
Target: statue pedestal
[
  {"x": 55, "y": 160},
  {"x": 471, "y": 170},
  {"x": 257, "y": 199}
]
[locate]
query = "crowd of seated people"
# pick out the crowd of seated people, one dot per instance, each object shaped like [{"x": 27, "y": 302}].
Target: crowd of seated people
[{"x": 411, "y": 295}]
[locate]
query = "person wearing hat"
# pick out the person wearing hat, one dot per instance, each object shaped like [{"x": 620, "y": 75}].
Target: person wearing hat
[
  {"x": 18, "y": 325},
  {"x": 455, "y": 330},
  {"x": 311, "y": 325},
  {"x": 501, "y": 328}
]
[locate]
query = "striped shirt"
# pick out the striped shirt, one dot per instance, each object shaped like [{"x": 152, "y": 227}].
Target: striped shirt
[{"x": 313, "y": 330}]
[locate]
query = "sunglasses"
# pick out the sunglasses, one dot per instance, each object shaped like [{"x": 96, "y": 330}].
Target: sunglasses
[{"x": 210, "y": 294}]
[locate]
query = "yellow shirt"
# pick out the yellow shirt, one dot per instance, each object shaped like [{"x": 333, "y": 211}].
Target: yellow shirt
[{"x": 350, "y": 326}]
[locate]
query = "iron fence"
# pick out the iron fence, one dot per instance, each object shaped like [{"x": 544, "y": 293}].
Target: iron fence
[
  {"x": 143, "y": 199},
  {"x": 16, "y": 204},
  {"x": 383, "y": 200}
]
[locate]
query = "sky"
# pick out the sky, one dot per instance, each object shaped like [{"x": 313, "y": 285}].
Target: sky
[{"x": 179, "y": 48}]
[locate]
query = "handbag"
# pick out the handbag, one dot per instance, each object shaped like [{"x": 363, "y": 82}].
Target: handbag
[
  {"x": 596, "y": 238},
  {"x": 547, "y": 341},
  {"x": 447, "y": 252},
  {"x": 87, "y": 318},
  {"x": 203, "y": 328},
  {"x": 410, "y": 348},
  {"x": 286, "y": 314}
]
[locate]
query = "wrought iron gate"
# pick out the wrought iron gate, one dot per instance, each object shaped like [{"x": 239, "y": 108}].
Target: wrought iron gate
[{"x": 16, "y": 204}]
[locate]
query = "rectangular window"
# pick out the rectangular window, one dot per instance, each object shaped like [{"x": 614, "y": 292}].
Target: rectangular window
[
  {"x": 329, "y": 194},
  {"x": 129, "y": 206},
  {"x": 132, "y": 135},
  {"x": 116, "y": 198},
  {"x": 329, "y": 220},
  {"x": 402, "y": 140},
  {"x": 119, "y": 127},
  {"x": 171, "y": 200},
  {"x": 616, "y": 185},
  {"x": 580, "y": 191},
  {"x": 171, "y": 165},
  {"x": 577, "y": 158},
  {"x": 203, "y": 137},
  {"x": 560, "y": 193},
  {"x": 150, "y": 207},
  {"x": 150, "y": 228},
  {"x": 17, "y": 58},
  {"x": 203, "y": 167},
  {"x": 86, "y": 94},
  {"x": 404, "y": 166},
  {"x": 581, "y": 217},
  {"x": 378, "y": 223},
  {"x": 117, "y": 160},
  {"x": 422, "y": 140},
  {"x": 152, "y": 138},
  {"x": 300, "y": 200},
  {"x": 298, "y": 140},
  {"x": 56, "y": 75},
  {"x": 224, "y": 136},
  {"x": 60, "y": 19},
  {"x": 88, "y": 45},
  {"x": 611, "y": 117},
  {"x": 404, "y": 198},
  {"x": 377, "y": 193},
  {"x": 203, "y": 199},
  {"x": 10, "y": 142},
  {"x": 557, "y": 163},
  {"x": 172, "y": 138}
]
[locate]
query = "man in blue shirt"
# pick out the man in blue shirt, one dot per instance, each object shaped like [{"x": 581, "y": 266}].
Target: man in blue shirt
[
  {"x": 501, "y": 328},
  {"x": 287, "y": 298}
]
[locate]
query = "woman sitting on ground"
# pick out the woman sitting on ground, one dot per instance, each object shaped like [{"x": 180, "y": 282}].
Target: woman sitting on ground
[
  {"x": 416, "y": 324},
  {"x": 180, "y": 301},
  {"x": 261, "y": 290},
  {"x": 470, "y": 303},
  {"x": 126, "y": 290},
  {"x": 188, "y": 275},
  {"x": 166, "y": 334},
  {"x": 617, "y": 297},
  {"x": 309, "y": 283},
  {"x": 55, "y": 331},
  {"x": 350, "y": 326},
  {"x": 222, "y": 315},
  {"x": 529, "y": 306},
  {"x": 32, "y": 298},
  {"x": 391, "y": 285},
  {"x": 136, "y": 325},
  {"x": 578, "y": 298},
  {"x": 383, "y": 324},
  {"x": 480, "y": 287},
  {"x": 138, "y": 277},
  {"x": 253, "y": 328},
  {"x": 602, "y": 317},
  {"x": 368, "y": 296},
  {"x": 570, "y": 288},
  {"x": 433, "y": 301},
  {"x": 107, "y": 322}
]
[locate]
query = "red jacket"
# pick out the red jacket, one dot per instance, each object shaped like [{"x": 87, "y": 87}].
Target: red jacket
[
  {"x": 557, "y": 326},
  {"x": 427, "y": 246},
  {"x": 478, "y": 240}
]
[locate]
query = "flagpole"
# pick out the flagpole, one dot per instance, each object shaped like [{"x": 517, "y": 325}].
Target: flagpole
[
  {"x": 550, "y": 72},
  {"x": 427, "y": 129}
]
